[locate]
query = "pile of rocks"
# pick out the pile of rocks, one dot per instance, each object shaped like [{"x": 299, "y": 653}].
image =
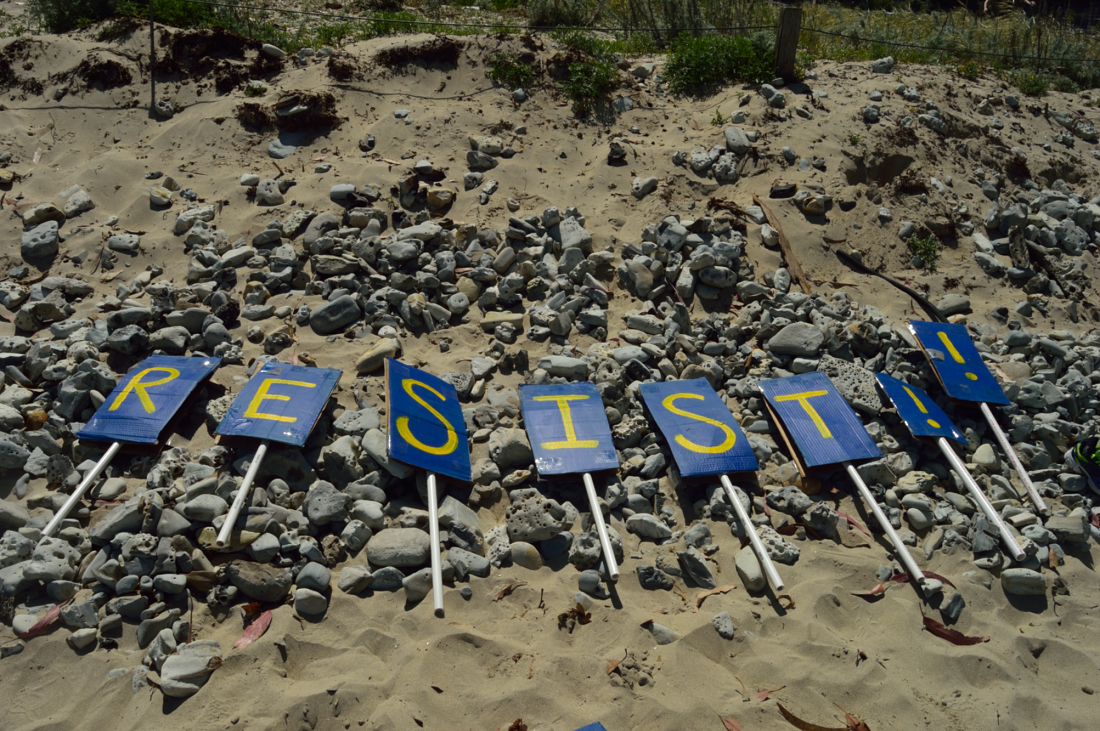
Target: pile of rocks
[{"x": 340, "y": 504}]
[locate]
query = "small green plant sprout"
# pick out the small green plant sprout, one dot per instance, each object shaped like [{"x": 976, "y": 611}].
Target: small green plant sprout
[
  {"x": 927, "y": 248},
  {"x": 589, "y": 82},
  {"x": 855, "y": 138},
  {"x": 507, "y": 70},
  {"x": 718, "y": 119},
  {"x": 255, "y": 88}
]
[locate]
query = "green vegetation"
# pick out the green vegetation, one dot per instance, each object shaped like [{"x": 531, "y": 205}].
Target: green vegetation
[
  {"x": 505, "y": 69},
  {"x": 855, "y": 138},
  {"x": 1037, "y": 53},
  {"x": 927, "y": 247},
  {"x": 697, "y": 65},
  {"x": 718, "y": 120},
  {"x": 1032, "y": 84},
  {"x": 59, "y": 16},
  {"x": 588, "y": 84}
]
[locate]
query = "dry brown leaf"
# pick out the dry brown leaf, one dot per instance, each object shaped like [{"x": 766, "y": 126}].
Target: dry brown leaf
[
  {"x": 763, "y": 694},
  {"x": 518, "y": 725},
  {"x": 43, "y": 625},
  {"x": 854, "y": 523},
  {"x": 508, "y": 589},
  {"x": 731, "y": 723},
  {"x": 854, "y": 724},
  {"x": 790, "y": 601},
  {"x": 701, "y": 596},
  {"x": 805, "y": 725},
  {"x": 254, "y": 631},
  {"x": 577, "y": 613},
  {"x": 951, "y": 635}
]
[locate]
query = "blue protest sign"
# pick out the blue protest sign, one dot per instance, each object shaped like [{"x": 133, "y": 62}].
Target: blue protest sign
[
  {"x": 281, "y": 403},
  {"x": 957, "y": 362},
  {"x": 917, "y": 410},
  {"x": 427, "y": 428},
  {"x": 823, "y": 426},
  {"x": 704, "y": 437},
  {"x": 568, "y": 428},
  {"x": 147, "y": 398}
]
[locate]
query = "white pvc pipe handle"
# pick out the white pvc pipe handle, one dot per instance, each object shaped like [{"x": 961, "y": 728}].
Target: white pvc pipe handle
[
  {"x": 1002, "y": 439},
  {"x": 601, "y": 529},
  {"x": 754, "y": 539},
  {"x": 242, "y": 494},
  {"x": 437, "y": 560},
  {"x": 81, "y": 489},
  {"x": 884, "y": 522},
  {"x": 981, "y": 499}
]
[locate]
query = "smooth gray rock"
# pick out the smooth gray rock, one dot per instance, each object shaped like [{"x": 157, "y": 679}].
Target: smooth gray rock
[
  {"x": 399, "y": 547},
  {"x": 260, "y": 582},
  {"x": 749, "y": 569},
  {"x": 184, "y": 673},
  {"x": 510, "y": 448},
  {"x": 1023, "y": 582},
  {"x": 799, "y": 339},
  {"x": 314, "y": 576},
  {"x": 354, "y": 579},
  {"x": 417, "y": 585},
  {"x": 335, "y": 315},
  {"x": 694, "y": 564},
  {"x": 205, "y": 508},
  {"x": 648, "y": 526},
  {"x": 309, "y": 602}
]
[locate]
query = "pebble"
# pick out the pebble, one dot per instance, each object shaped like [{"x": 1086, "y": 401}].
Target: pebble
[{"x": 723, "y": 623}]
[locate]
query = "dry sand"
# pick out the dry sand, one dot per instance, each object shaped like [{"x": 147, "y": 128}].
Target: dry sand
[{"x": 376, "y": 664}]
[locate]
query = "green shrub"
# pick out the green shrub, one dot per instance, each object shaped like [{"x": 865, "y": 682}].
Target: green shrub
[
  {"x": 589, "y": 82},
  {"x": 697, "y": 65},
  {"x": 1032, "y": 84},
  {"x": 582, "y": 42},
  {"x": 505, "y": 69},
  {"x": 59, "y": 16},
  {"x": 927, "y": 248},
  {"x": 969, "y": 70},
  {"x": 555, "y": 13}
]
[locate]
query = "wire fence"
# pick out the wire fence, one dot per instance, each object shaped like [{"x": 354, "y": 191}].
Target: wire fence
[
  {"x": 942, "y": 49},
  {"x": 487, "y": 26},
  {"x": 514, "y": 28}
]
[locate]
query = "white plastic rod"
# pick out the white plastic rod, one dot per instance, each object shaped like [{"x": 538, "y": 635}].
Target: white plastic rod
[
  {"x": 242, "y": 495},
  {"x": 601, "y": 529},
  {"x": 884, "y": 522},
  {"x": 81, "y": 489},
  {"x": 433, "y": 533},
  {"x": 981, "y": 499},
  {"x": 1002, "y": 439},
  {"x": 754, "y": 539}
]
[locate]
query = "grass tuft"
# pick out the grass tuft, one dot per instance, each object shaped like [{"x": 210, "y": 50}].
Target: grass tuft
[
  {"x": 698, "y": 65},
  {"x": 507, "y": 70},
  {"x": 927, "y": 247}
]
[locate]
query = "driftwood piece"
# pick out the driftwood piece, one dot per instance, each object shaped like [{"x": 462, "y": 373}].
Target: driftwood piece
[{"x": 785, "y": 246}]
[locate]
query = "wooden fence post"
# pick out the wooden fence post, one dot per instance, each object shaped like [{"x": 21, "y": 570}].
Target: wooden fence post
[{"x": 786, "y": 42}]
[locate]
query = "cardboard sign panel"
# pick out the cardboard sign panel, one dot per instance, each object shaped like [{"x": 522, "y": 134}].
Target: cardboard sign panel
[
  {"x": 426, "y": 424},
  {"x": 147, "y": 398},
  {"x": 957, "y": 362},
  {"x": 281, "y": 403},
  {"x": 567, "y": 428},
  {"x": 704, "y": 437},
  {"x": 822, "y": 424},
  {"x": 920, "y": 414}
]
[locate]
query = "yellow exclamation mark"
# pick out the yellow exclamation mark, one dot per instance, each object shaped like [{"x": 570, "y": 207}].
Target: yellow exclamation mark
[
  {"x": 955, "y": 354},
  {"x": 931, "y": 422}
]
